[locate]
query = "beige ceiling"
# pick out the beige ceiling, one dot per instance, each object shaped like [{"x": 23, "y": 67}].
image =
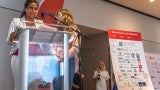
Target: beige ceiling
[{"x": 144, "y": 6}]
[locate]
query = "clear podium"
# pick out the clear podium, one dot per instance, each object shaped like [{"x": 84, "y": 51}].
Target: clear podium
[{"x": 39, "y": 66}]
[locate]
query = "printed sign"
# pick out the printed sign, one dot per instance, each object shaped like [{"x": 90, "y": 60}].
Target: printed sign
[{"x": 128, "y": 60}]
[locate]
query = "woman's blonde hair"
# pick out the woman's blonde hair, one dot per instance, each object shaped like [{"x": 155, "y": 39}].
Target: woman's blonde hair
[
  {"x": 99, "y": 66},
  {"x": 67, "y": 18}
]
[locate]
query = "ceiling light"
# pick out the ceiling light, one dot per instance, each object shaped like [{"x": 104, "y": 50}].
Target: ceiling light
[{"x": 151, "y": 0}]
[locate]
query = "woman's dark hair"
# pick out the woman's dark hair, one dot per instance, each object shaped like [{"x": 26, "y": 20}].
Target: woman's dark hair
[{"x": 26, "y": 5}]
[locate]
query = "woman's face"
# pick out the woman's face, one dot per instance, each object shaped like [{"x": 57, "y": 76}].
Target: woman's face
[
  {"x": 60, "y": 17},
  {"x": 31, "y": 11},
  {"x": 101, "y": 65}
]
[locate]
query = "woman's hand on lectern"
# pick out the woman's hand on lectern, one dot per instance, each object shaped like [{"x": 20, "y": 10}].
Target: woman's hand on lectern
[{"x": 12, "y": 36}]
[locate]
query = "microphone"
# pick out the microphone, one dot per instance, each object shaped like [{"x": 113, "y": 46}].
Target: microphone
[{"x": 44, "y": 14}]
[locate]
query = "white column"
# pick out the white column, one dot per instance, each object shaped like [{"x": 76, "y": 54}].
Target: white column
[
  {"x": 66, "y": 63},
  {"x": 23, "y": 60}
]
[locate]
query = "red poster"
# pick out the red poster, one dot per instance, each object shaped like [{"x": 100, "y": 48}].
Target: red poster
[{"x": 50, "y": 6}]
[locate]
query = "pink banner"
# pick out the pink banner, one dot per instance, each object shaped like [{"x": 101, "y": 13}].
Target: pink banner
[{"x": 153, "y": 63}]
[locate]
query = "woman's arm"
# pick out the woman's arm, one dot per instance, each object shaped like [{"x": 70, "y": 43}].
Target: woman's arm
[
  {"x": 74, "y": 45},
  {"x": 107, "y": 83},
  {"x": 95, "y": 77},
  {"x": 11, "y": 32}
]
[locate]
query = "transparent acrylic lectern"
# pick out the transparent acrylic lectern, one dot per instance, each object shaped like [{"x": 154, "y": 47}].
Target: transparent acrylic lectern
[{"x": 39, "y": 66}]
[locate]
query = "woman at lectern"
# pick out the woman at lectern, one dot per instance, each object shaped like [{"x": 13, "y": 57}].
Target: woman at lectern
[
  {"x": 64, "y": 17},
  {"x": 29, "y": 14}
]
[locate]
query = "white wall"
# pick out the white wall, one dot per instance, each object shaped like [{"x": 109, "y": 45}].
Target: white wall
[
  {"x": 102, "y": 15},
  {"x": 12, "y": 4},
  {"x": 8, "y": 9},
  {"x": 6, "y": 77}
]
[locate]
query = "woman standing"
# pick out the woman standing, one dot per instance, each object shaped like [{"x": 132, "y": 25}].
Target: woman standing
[
  {"x": 64, "y": 17},
  {"x": 101, "y": 77},
  {"x": 29, "y": 14}
]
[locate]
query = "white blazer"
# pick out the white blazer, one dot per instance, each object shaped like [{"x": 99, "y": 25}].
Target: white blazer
[{"x": 17, "y": 24}]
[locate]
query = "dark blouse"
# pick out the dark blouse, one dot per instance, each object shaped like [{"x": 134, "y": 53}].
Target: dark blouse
[{"x": 77, "y": 80}]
